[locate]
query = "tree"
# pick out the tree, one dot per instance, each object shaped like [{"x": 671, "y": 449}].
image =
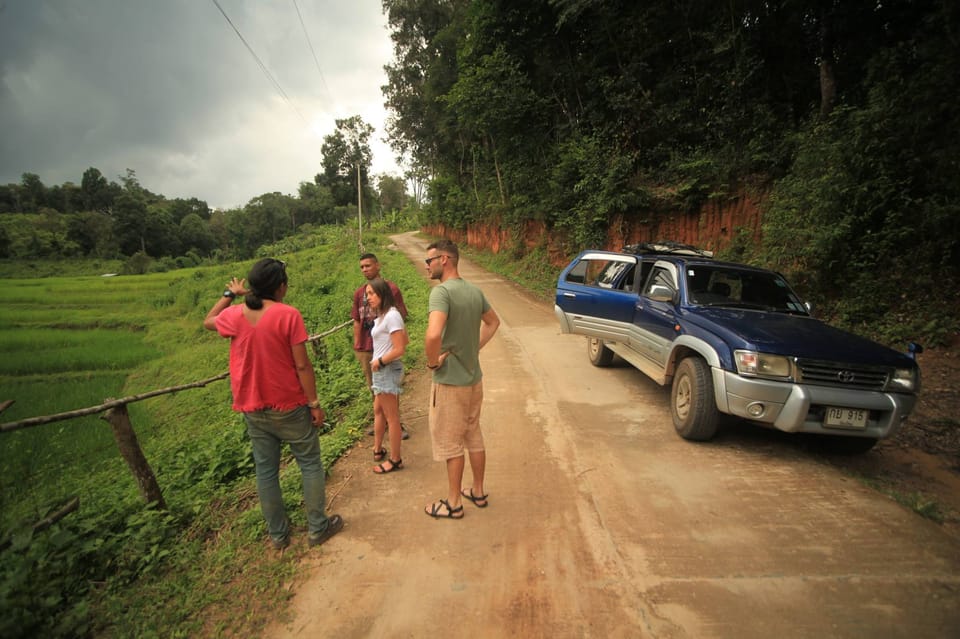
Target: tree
[
  {"x": 344, "y": 151},
  {"x": 425, "y": 35},
  {"x": 95, "y": 192},
  {"x": 315, "y": 205},
  {"x": 347, "y": 152},
  {"x": 33, "y": 194},
  {"x": 195, "y": 235},
  {"x": 393, "y": 193},
  {"x": 269, "y": 219},
  {"x": 9, "y": 198},
  {"x": 92, "y": 231},
  {"x": 4, "y": 243},
  {"x": 181, "y": 208},
  {"x": 130, "y": 213},
  {"x": 161, "y": 232},
  {"x": 66, "y": 198}
]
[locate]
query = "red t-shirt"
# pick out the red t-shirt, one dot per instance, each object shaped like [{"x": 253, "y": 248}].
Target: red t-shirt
[{"x": 262, "y": 371}]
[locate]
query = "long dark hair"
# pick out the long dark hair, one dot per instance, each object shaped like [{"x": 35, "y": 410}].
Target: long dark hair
[
  {"x": 384, "y": 292},
  {"x": 263, "y": 281}
]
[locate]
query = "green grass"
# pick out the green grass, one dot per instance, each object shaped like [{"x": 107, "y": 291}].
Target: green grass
[
  {"x": 532, "y": 270},
  {"x": 918, "y": 502},
  {"x": 38, "y": 351},
  {"x": 10, "y": 269},
  {"x": 117, "y": 567}
]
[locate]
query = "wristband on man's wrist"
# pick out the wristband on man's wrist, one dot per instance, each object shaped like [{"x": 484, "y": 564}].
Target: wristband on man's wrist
[
  {"x": 437, "y": 365},
  {"x": 314, "y": 404},
  {"x": 230, "y": 294}
]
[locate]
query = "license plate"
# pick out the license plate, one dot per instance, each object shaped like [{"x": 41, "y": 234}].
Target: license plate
[{"x": 845, "y": 417}]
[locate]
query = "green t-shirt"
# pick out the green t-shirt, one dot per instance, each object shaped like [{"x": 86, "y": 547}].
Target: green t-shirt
[{"x": 464, "y": 304}]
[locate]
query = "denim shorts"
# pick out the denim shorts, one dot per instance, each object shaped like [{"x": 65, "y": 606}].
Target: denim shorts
[{"x": 388, "y": 379}]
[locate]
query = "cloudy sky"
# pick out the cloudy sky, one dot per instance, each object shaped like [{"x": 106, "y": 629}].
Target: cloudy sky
[{"x": 168, "y": 89}]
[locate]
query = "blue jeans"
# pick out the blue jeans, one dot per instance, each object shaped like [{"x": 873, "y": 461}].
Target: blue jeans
[{"x": 268, "y": 429}]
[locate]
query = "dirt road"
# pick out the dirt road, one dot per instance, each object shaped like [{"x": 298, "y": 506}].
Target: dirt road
[{"x": 603, "y": 523}]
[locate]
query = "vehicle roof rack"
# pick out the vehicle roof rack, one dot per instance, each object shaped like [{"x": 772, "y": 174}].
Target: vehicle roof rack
[{"x": 666, "y": 247}]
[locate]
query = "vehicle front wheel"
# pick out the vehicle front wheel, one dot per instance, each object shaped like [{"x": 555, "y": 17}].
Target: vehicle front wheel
[
  {"x": 692, "y": 405},
  {"x": 598, "y": 353}
]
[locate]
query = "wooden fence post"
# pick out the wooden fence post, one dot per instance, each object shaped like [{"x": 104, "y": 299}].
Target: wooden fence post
[{"x": 130, "y": 450}]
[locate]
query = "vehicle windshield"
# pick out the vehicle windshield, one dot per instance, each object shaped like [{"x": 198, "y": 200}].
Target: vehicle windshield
[{"x": 728, "y": 286}]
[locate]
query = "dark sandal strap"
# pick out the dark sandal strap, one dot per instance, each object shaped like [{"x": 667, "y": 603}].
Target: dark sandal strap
[
  {"x": 394, "y": 465},
  {"x": 435, "y": 509}
]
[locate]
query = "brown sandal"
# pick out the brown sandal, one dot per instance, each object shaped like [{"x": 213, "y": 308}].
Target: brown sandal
[{"x": 379, "y": 455}]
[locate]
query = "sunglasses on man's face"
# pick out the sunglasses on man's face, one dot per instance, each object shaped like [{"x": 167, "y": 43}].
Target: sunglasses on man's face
[{"x": 430, "y": 259}]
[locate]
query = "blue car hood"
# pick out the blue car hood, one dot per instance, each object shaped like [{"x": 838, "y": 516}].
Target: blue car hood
[{"x": 793, "y": 335}]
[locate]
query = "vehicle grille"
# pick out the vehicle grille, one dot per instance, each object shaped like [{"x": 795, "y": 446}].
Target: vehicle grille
[{"x": 842, "y": 375}]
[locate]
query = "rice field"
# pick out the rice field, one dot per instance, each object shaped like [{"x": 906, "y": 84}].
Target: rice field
[{"x": 67, "y": 344}]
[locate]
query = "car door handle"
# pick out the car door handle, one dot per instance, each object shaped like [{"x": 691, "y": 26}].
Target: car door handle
[{"x": 570, "y": 295}]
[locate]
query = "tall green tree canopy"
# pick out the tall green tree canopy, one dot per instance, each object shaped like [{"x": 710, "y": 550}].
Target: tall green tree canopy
[{"x": 573, "y": 111}]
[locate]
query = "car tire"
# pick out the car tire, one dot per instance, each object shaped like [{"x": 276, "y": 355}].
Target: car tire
[
  {"x": 598, "y": 353},
  {"x": 692, "y": 405}
]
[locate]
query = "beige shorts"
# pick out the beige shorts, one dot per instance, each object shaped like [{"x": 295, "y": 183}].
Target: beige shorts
[{"x": 455, "y": 420}]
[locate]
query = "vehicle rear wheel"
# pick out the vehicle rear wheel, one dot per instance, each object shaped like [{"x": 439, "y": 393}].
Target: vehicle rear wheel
[
  {"x": 692, "y": 405},
  {"x": 598, "y": 353}
]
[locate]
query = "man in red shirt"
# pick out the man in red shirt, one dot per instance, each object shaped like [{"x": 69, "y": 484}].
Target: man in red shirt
[{"x": 363, "y": 320}]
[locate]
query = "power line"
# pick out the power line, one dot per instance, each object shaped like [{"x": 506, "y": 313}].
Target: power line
[
  {"x": 266, "y": 72},
  {"x": 310, "y": 44}
]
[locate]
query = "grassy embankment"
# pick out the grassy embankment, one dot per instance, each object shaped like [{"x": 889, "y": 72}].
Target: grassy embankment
[{"x": 117, "y": 567}]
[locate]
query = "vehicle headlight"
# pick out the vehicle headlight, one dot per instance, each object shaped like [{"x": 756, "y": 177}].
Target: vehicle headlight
[
  {"x": 754, "y": 364},
  {"x": 904, "y": 380}
]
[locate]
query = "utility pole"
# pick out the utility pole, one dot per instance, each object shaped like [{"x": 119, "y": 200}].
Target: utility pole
[{"x": 359, "y": 209}]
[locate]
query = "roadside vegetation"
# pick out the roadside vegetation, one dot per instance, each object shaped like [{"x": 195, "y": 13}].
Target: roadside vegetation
[
  {"x": 119, "y": 567},
  {"x": 840, "y": 118}
]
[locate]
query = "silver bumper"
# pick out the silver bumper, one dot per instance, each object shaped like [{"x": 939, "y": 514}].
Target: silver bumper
[{"x": 798, "y": 408}]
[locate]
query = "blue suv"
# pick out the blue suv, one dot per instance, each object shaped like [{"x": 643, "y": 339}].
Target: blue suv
[{"x": 733, "y": 339}]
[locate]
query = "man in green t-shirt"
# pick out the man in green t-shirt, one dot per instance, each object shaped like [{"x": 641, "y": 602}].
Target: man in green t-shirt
[{"x": 461, "y": 322}]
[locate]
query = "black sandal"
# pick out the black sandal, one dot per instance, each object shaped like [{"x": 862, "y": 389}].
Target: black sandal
[
  {"x": 378, "y": 455},
  {"x": 476, "y": 500},
  {"x": 380, "y": 469},
  {"x": 452, "y": 513}
]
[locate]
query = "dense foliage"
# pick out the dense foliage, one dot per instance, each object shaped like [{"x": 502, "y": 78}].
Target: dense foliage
[
  {"x": 571, "y": 111},
  {"x": 110, "y": 220}
]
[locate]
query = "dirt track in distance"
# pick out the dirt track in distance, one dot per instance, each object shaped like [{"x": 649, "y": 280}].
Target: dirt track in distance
[{"x": 603, "y": 523}]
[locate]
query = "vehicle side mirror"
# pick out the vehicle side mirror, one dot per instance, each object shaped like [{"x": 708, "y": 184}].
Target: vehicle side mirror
[
  {"x": 914, "y": 349},
  {"x": 661, "y": 293}
]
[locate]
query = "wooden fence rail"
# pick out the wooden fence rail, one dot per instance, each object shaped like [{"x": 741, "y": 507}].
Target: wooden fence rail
[{"x": 115, "y": 413}]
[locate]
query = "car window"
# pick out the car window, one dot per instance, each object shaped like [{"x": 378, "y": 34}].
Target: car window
[
  {"x": 645, "y": 268},
  {"x": 660, "y": 279},
  {"x": 578, "y": 274},
  {"x": 717, "y": 285},
  {"x": 627, "y": 282},
  {"x": 603, "y": 272}
]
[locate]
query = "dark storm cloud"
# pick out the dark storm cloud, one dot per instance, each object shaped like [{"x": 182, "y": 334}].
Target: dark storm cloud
[{"x": 169, "y": 90}]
